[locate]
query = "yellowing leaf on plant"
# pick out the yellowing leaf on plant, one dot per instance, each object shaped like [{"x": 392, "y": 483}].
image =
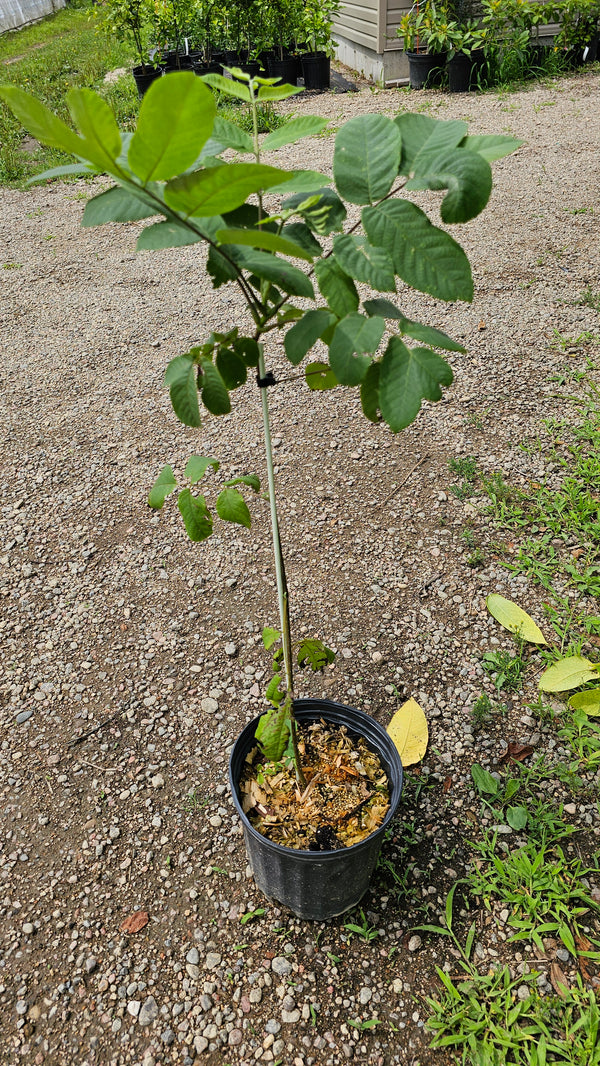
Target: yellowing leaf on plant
[
  {"x": 588, "y": 701},
  {"x": 515, "y": 619},
  {"x": 567, "y": 674},
  {"x": 408, "y": 729}
]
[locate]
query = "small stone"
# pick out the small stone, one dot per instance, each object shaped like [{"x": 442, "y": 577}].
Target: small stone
[
  {"x": 148, "y": 1011},
  {"x": 21, "y": 1006},
  {"x": 91, "y": 964},
  {"x": 209, "y": 706},
  {"x": 414, "y": 943},
  {"x": 397, "y": 986},
  {"x": 168, "y": 1037},
  {"x": 522, "y": 992},
  {"x": 193, "y": 956},
  {"x": 364, "y": 996},
  {"x": 231, "y": 650},
  {"x": 272, "y": 1026},
  {"x": 200, "y": 1044},
  {"x": 281, "y": 966},
  {"x": 133, "y": 1007},
  {"x": 216, "y": 821},
  {"x": 28, "y": 928},
  {"x": 235, "y": 1037},
  {"x": 562, "y": 954},
  {"x": 157, "y": 781},
  {"x": 212, "y": 960},
  {"x": 23, "y": 716},
  {"x": 290, "y": 1017},
  {"x": 570, "y": 808}
]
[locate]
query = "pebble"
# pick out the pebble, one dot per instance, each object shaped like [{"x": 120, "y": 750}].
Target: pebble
[
  {"x": 209, "y": 705},
  {"x": 21, "y": 1006},
  {"x": 281, "y": 966},
  {"x": 148, "y": 1011},
  {"x": 157, "y": 781},
  {"x": 23, "y": 716},
  {"x": 28, "y": 928},
  {"x": 231, "y": 650},
  {"x": 212, "y": 960},
  {"x": 414, "y": 943},
  {"x": 193, "y": 956}
]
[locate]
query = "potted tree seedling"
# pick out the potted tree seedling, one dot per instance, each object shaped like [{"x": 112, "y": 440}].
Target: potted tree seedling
[
  {"x": 426, "y": 31},
  {"x": 317, "y": 18},
  {"x": 321, "y": 776},
  {"x": 129, "y": 20}
]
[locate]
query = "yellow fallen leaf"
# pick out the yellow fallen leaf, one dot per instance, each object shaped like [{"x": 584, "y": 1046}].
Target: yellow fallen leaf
[
  {"x": 408, "y": 729},
  {"x": 514, "y": 618}
]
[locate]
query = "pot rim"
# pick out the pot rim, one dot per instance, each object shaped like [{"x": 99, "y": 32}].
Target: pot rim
[{"x": 317, "y": 708}]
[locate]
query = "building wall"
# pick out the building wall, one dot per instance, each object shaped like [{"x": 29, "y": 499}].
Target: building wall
[{"x": 15, "y": 13}]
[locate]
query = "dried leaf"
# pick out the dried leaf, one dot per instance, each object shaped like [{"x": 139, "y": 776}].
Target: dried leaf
[
  {"x": 558, "y": 981},
  {"x": 135, "y": 922},
  {"x": 514, "y": 619},
  {"x": 409, "y": 732},
  {"x": 447, "y": 784},
  {"x": 516, "y": 752}
]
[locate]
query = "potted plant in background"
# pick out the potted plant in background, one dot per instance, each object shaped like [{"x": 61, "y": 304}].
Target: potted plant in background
[
  {"x": 129, "y": 20},
  {"x": 468, "y": 42},
  {"x": 426, "y": 31},
  {"x": 159, "y": 174},
  {"x": 317, "y": 22},
  {"x": 284, "y": 20},
  {"x": 577, "y": 38},
  {"x": 173, "y": 23}
]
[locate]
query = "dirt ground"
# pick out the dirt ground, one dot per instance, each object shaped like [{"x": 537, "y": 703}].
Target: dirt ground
[{"x": 132, "y": 659}]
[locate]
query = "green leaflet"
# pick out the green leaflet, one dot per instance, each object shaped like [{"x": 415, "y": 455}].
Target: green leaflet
[
  {"x": 265, "y": 240},
  {"x": 197, "y": 465},
  {"x": 283, "y": 274},
  {"x": 312, "y": 652},
  {"x": 168, "y": 235},
  {"x": 324, "y": 213},
  {"x": 196, "y": 518},
  {"x": 293, "y": 131},
  {"x": 364, "y": 262},
  {"x": 98, "y": 126},
  {"x": 490, "y": 146},
  {"x": 273, "y": 731},
  {"x": 277, "y": 92},
  {"x": 215, "y": 396},
  {"x": 354, "y": 335},
  {"x": 219, "y": 189},
  {"x": 232, "y": 507},
  {"x": 164, "y": 485},
  {"x": 466, "y": 175},
  {"x": 227, "y": 85},
  {"x": 424, "y": 256},
  {"x": 420, "y": 133},
  {"x": 338, "y": 289},
  {"x": 320, "y": 377},
  {"x": 304, "y": 334},
  {"x": 246, "y": 479},
  {"x": 407, "y": 377},
  {"x": 568, "y": 673},
  {"x": 369, "y": 393},
  {"x": 41, "y": 122},
  {"x": 366, "y": 158},
  {"x": 231, "y": 367},
  {"x": 175, "y": 121},
  {"x": 118, "y": 204},
  {"x": 180, "y": 376},
  {"x": 231, "y": 136}
]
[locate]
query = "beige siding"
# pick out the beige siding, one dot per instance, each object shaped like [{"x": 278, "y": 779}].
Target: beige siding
[
  {"x": 395, "y": 10},
  {"x": 358, "y": 22}
]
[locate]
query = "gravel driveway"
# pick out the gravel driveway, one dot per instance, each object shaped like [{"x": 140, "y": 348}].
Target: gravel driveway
[{"x": 132, "y": 659}]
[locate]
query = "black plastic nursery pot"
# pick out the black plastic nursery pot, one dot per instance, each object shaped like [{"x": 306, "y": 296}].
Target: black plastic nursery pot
[
  {"x": 286, "y": 69},
  {"x": 318, "y": 885},
  {"x": 316, "y": 70},
  {"x": 425, "y": 69},
  {"x": 144, "y": 76},
  {"x": 462, "y": 72}
]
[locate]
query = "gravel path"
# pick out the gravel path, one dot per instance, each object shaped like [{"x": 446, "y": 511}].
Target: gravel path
[{"x": 111, "y": 619}]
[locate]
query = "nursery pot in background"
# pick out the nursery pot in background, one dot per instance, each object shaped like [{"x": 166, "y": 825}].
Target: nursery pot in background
[
  {"x": 144, "y": 76},
  {"x": 318, "y": 884},
  {"x": 426, "y": 69},
  {"x": 462, "y": 72},
  {"x": 316, "y": 69},
  {"x": 286, "y": 69}
]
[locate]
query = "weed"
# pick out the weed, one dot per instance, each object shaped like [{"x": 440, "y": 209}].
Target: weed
[
  {"x": 364, "y": 1026},
  {"x": 194, "y": 801},
  {"x": 590, "y": 299},
  {"x": 506, "y": 669},
  {"x": 484, "y": 711},
  {"x": 249, "y": 916},
  {"x": 365, "y": 931},
  {"x": 12, "y": 266},
  {"x": 466, "y": 469},
  {"x": 582, "y": 735},
  {"x": 475, "y": 559},
  {"x": 477, "y": 419}
]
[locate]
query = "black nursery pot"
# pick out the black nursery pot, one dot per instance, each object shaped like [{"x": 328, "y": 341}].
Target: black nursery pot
[
  {"x": 425, "y": 69},
  {"x": 316, "y": 70},
  {"x": 318, "y": 884},
  {"x": 144, "y": 78},
  {"x": 286, "y": 69},
  {"x": 462, "y": 72}
]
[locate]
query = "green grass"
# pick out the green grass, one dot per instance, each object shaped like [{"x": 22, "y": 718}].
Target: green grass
[{"x": 74, "y": 53}]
